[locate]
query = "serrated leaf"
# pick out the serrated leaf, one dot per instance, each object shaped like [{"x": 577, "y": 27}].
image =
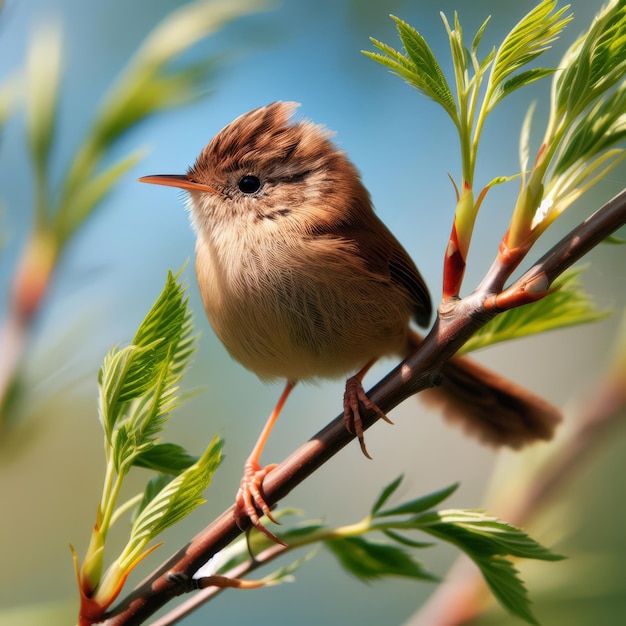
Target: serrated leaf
[
  {"x": 117, "y": 386},
  {"x": 153, "y": 488},
  {"x": 600, "y": 128},
  {"x": 528, "y": 39},
  {"x": 508, "y": 588},
  {"x": 177, "y": 499},
  {"x": 165, "y": 318},
  {"x": 481, "y": 534},
  {"x": 140, "y": 379},
  {"x": 418, "y": 66},
  {"x": 420, "y": 504},
  {"x": 168, "y": 458},
  {"x": 594, "y": 63},
  {"x": 567, "y": 306},
  {"x": 369, "y": 560},
  {"x": 522, "y": 79},
  {"x": 147, "y": 415},
  {"x": 426, "y": 65},
  {"x": 138, "y": 383},
  {"x": 386, "y": 493},
  {"x": 487, "y": 540},
  {"x": 166, "y": 330}
]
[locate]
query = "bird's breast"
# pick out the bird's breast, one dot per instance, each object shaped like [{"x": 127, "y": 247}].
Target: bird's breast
[{"x": 299, "y": 310}]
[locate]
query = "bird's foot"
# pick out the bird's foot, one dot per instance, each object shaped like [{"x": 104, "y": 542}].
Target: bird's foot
[
  {"x": 353, "y": 395},
  {"x": 250, "y": 499}
]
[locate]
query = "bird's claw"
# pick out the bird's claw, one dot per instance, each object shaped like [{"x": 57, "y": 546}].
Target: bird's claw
[
  {"x": 353, "y": 395},
  {"x": 250, "y": 499}
]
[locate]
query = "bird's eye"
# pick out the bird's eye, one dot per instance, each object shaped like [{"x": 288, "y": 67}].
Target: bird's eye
[{"x": 249, "y": 184}]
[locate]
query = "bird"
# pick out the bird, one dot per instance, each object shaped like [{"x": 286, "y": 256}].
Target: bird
[{"x": 301, "y": 281}]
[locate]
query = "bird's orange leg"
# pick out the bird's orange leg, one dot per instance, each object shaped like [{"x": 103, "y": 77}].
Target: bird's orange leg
[
  {"x": 354, "y": 394},
  {"x": 250, "y": 497}
]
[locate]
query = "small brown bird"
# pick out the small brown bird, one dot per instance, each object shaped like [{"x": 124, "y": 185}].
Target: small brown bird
[{"x": 301, "y": 280}]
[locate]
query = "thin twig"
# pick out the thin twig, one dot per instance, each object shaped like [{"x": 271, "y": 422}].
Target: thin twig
[{"x": 206, "y": 594}]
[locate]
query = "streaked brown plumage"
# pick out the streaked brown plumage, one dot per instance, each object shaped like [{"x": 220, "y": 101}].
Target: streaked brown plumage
[{"x": 301, "y": 280}]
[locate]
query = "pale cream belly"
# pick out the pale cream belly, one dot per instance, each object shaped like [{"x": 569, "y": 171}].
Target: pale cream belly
[
  {"x": 303, "y": 314},
  {"x": 301, "y": 331}
]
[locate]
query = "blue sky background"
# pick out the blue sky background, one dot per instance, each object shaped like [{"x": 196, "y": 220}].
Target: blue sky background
[{"x": 404, "y": 146}]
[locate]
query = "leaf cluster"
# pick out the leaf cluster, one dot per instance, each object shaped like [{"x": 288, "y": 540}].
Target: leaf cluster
[
  {"x": 138, "y": 389},
  {"x": 532, "y": 36},
  {"x": 500, "y": 70},
  {"x": 587, "y": 125},
  {"x": 488, "y": 541},
  {"x": 383, "y": 544},
  {"x": 581, "y": 144},
  {"x": 595, "y": 62},
  {"x": 138, "y": 383}
]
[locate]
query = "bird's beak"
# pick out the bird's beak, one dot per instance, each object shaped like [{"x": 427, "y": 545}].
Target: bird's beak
[{"x": 182, "y": 181}]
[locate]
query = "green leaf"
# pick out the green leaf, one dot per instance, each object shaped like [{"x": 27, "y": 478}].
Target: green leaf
[
  {"x": 426, "y": 67},
  {"x": 418, "y": 66},
  {"x": 153, "y": 487},
  {"x": 386, "y": 493},
  {"x": 505, "y": 584},
  {"x": 168, "y": 458},
  {"x": 528, "y": 39},
  {"x": 567, "y": 305},
  {"x": 600, "y": 128},
  {"x": 460, "y": 60},
  {"x": 138, "y": 383},
  {"x": 147, "y": 414},
  {"x": 524, "y": 142},
  {"x": 177, "y": 499},
  {"x": 117, "y": 386},
  {"x": 519, "y": 80},
  {"x": 420, "y": 504},
  {"x": 368, "y": 560},
  {"x": 487, "y": 540},
  {"x": 594, "y": 63},
  {"x": 479, "y": 35},
  {"x": 481, "y": 534}
]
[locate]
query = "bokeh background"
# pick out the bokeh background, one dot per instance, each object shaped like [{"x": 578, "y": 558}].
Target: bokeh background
[{"x": 404, "y": 146}]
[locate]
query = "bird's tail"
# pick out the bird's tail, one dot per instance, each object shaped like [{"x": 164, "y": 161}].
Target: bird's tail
[{"x": 489, "y": 406}]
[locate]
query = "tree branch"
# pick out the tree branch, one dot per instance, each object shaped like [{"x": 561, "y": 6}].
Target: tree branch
[{"x": 457, "y": 320}]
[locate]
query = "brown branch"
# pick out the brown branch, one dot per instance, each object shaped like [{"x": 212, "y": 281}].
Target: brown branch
[{"x": 457, "y": 321}]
